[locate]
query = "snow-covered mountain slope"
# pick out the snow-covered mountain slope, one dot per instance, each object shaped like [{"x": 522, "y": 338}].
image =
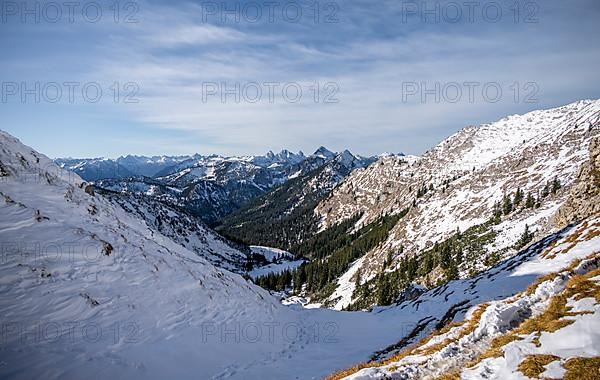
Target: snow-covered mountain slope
[
  {"x": 204, "y": 198},
  {"x": 538, "y": 312},
  {"x": 184, "y": 229},
  {"x": 457, "y": 183},
  {"x": 584, "y": 196},
  {"x": 88, "y": 289},
  {"x": 72, "y": 257}
]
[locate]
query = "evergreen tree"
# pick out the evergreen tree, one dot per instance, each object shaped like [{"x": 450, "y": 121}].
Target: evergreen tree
[
  {"x": 452, "y": 271},
  {"x": 526, "y": 237},
  {"x": 555, "y": 185},
  {"x": 497, "y": 213},
  {"x": 249, "y": 265},
  {"x": 383, "y": 294},
  {"x": 530, "y": 201},
  {"x": 507, "y": 205},
  {"x": 518, "y": 197}
]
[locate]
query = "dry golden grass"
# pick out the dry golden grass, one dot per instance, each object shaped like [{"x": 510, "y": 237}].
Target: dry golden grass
[
  {"x": 551, "y": 276},
  {"x": 418, "y": 349},
  {"x": 533, "y": 287},
  {"x": 592, "y": 234},
  {"x": 455, "y": 375},
  {"x": 582, "y": 369},
  {"x": 551, "y": 320},
  {"x": 534, "y": 365},
  {"x": 573, "y": 239}
]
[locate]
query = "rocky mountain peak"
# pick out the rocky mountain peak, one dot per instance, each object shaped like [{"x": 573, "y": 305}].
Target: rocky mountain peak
[{"x": 324, "y": 153}]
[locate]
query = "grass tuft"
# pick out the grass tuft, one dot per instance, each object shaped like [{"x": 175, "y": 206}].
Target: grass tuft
[
  {"x": 534, "y": 365},
  {"x": 582, "y": 369}
]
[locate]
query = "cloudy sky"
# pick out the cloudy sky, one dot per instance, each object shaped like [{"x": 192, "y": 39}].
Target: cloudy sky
[{"x": 226, "y": 77}]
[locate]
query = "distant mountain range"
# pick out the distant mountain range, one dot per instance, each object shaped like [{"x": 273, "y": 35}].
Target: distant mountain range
[
  {"x": 93, "y": 169},
  {"x": 208, "y": 186}
]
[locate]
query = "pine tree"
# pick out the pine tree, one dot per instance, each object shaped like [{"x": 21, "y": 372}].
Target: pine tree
[
  {"x": 452, "y": 271},
  {"x": 358, "y": 275},
  {"x": 538, "y": 200},
  {"x": 530, "y": 202},
  {"x": 526, "y": 237},
  {"x": 507, "y": 206},
  {"x": 382, "y": 290},
  {"x": 518, "y": 197},
  {"x": 388, "y": 260},
  {"x": 555, "y": 185},
  {"x": 249, "y": 265},
  {"x": 497, "y": 213}
]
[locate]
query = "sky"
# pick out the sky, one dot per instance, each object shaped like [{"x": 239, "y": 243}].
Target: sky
[{"x": 240, "y": 77}]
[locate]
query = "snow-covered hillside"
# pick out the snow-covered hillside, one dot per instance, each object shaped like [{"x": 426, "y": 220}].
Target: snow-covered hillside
[
  {"x": 70, "y": 257},
  {"x": 183, "y": 228},
  {"x": 88, "y": 289},
  {"x": 537, "y": 314},
  {"x": 455, "y": 185}
]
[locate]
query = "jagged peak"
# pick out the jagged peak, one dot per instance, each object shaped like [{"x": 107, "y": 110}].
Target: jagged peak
[{"x": 324, "y": 152}]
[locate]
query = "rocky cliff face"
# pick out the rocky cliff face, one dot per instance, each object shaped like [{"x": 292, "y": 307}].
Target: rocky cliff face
[{"x": 584, "y": 197}]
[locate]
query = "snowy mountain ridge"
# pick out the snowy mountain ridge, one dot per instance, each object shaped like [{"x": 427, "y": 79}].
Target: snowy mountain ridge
[
  {"x": 456, "y": 185},
  {"x": 214, "y": 186},
  {"x": 93, "y": 169}
]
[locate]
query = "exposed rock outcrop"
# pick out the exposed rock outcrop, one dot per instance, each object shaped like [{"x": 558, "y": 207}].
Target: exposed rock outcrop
[{"x": 584, "y": 197}]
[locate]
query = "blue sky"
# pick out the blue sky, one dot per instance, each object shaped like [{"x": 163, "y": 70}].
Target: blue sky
[{"x": 368, "y": 54}]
